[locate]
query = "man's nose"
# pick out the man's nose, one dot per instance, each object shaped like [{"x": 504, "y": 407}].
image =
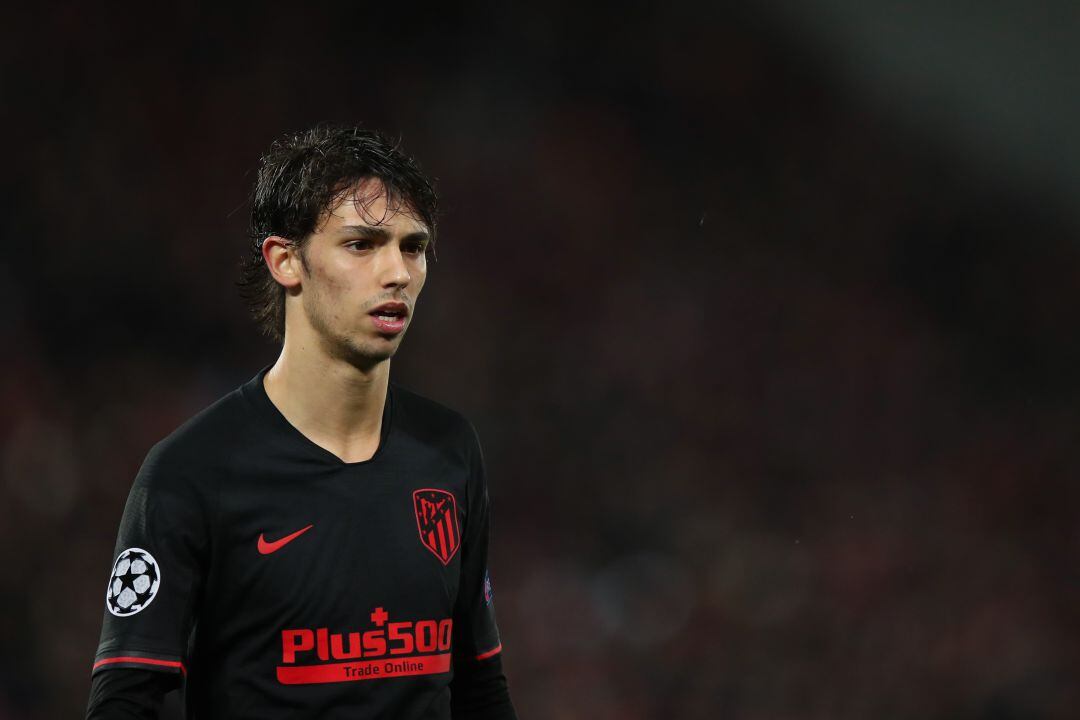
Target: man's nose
[{"x": 393, "y": 272}]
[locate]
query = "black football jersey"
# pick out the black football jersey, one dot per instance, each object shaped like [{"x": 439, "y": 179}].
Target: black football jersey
[{"x": 281, "y": 581}]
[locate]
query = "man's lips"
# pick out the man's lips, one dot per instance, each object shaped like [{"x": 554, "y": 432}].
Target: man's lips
[
  {"x": 389, "y": 317},
  {"x": 390, "y": 308}
]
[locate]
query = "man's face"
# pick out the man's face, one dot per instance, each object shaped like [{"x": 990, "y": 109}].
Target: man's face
[{"x": 363, "y": 269}]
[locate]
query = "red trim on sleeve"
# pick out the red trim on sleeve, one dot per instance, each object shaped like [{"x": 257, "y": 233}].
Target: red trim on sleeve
[
  {"x": 144, "y": 661},
  {"x": 490, "y": 653}
]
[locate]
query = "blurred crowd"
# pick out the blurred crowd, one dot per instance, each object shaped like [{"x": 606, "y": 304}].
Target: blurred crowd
[{"x": 778, "y": 397}]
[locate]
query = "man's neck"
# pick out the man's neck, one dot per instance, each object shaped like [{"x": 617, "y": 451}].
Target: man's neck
[{"x": 335, "y": 404}]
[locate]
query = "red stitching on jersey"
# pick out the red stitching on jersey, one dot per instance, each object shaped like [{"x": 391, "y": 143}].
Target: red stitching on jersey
[
  {"x": 490, "y": 653},
  {"x": 145, "y": 661}
]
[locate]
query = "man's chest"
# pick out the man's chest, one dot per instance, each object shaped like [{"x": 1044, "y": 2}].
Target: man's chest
[
  {"x": 336, "y": 549},
  {"x": 336, "y": 576}
]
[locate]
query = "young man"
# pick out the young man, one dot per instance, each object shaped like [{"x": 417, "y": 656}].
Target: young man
[{"x": 314, "y": 544}]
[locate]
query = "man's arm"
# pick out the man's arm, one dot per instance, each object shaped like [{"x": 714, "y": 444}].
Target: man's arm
[
  {"x": 153, "y": 590},
  {"x": 479, "y": 689},
  {"x": 128, "y": 694},
  {"x": 479, "y": 692}
]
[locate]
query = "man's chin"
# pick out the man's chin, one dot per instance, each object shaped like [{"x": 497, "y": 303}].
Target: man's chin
[{"x": 368, "y": 354}]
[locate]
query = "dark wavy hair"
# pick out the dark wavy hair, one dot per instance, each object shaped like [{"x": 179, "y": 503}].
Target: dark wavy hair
[{"x": 301, "y": 179}]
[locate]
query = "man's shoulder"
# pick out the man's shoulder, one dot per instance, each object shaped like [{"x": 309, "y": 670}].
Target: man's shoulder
[
  {"x": 206, "y": 437},
  {"x": 429, "y": 417}
]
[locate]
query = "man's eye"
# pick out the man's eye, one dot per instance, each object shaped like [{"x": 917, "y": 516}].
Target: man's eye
[
  {"x": 361, "y": 245},
  {"x": 414, "y": 248}
]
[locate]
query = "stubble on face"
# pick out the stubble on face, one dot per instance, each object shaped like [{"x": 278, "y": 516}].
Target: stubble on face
[
  {"x": 338, "y": 341},
  {"x": 341, "y": 342}
]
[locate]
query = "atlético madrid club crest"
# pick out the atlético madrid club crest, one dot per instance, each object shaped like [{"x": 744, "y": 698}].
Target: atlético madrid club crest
[{"x": 437, "y": 520}]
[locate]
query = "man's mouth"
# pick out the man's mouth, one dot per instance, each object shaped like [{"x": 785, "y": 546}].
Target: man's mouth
[{"x": 390, "y": 317}]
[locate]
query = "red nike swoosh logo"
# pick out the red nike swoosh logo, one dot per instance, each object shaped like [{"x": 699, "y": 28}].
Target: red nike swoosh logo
[{"x": 265, "y": 548}]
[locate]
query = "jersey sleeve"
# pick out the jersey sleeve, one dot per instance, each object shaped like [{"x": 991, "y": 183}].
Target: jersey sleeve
[
  {"x": 477, "y": 634},
  {"x": 156, "y": 577},
  {"x": 478, "y": 690}
]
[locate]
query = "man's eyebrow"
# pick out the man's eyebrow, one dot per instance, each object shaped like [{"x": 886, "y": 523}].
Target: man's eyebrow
[
  {"x": 377, "y": 233},
  {"x": 366, "y": 231}
]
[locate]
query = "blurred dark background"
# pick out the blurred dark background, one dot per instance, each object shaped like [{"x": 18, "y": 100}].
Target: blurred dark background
[{"x": 765, "y": 313}]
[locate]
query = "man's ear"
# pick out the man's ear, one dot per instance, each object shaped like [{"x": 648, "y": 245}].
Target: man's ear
[{"x": 283, "y": 259}]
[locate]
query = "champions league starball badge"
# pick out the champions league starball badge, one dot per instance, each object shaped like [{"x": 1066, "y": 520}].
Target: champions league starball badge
[{"x": 134, "y": 582}]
